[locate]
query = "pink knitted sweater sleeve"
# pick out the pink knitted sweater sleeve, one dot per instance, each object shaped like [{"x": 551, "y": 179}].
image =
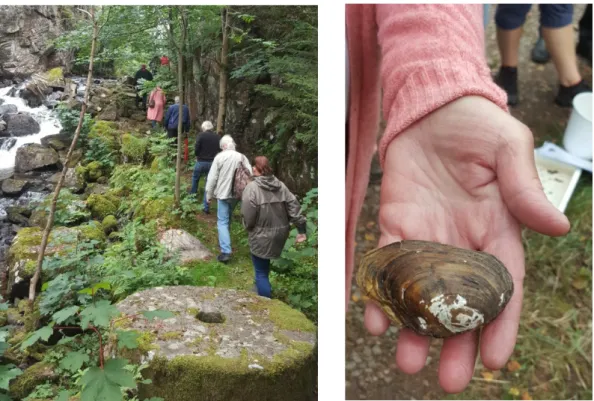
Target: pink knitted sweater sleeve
[{"x": 431, "y": 55}]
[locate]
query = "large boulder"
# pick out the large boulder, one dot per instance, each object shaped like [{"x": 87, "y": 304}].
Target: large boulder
[
  {"x": 182, "y": 243},
  {"x": 221, "y": 344},
  {"x": 7, "y": 143},
  {"x": 33, "y": 156},
  {"x": 109, "y": 113},
  {"x": 12, "y": 187},
  {"x": 8, "y": 109},
  {"x": 21, "y": 124},
  {"x": 72, "y": 181}
]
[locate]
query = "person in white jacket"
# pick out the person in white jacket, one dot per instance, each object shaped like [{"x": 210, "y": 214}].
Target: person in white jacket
[{"x": 219, "y": 184}]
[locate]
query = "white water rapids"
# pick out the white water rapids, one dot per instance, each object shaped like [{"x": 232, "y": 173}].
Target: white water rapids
[{"x": 46, "y": 118}]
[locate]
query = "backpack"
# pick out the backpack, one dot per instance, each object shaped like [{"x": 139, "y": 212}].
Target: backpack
[{"x": 241, "y": 177}]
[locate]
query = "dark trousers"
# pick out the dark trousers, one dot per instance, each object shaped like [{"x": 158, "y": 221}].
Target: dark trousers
[
  {"x": 200, "y": 169},
  {"x": 172, "y": 133},
  {"x": 262, "y": 270},
  {"x": 513, "y": 16},
  {"x": 586, "y": 22}
]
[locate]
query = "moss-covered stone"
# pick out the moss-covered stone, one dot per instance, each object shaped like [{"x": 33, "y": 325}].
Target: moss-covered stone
[
  {"x": 94, "y": 170},
  {"x": 160, "y": 210},
  {"x": 110, "y": 224},
  {"x": 3, "y": 318},
  {"x": 92, "y": 231},
  {"x": 101, "y": 206},
  {"x": 285, "y": 317},
  {"x": 34, "y": 375},
  {"x": 55, "y": 76},
  {"x": 133, "y": 148},
  {"x": 70, "y": 210},
  {"x": 106, "y": 132}
]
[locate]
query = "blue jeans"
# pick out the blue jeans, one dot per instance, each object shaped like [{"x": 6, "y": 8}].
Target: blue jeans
[
  {"x": 486, "y": 8},
  {"x": 200, "y": 169},
  {"x": 224, "y": 211},
  {"x": 262, "y": 269},
  {"x": 512, "y": 16}
]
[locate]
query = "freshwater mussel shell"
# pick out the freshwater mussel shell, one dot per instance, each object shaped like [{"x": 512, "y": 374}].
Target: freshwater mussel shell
[{"x": 434, "y": 289}]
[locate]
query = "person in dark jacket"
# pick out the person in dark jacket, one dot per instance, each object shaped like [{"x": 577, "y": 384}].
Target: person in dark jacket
[
  {"x": 206, "y": 148},
  {"x": 146, "y": 75},
  {"x": 268, "y": 208},
  {"x": 171, "y": 119}
]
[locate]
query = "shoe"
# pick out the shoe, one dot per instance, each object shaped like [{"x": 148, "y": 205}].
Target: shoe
[
  {"x": 507, "y": 79},
  {"x": 224, "y": 257},
  {"x": 540, "y": 54},
  {"x": 566, "y": 94},
  {"x": 584, "y": 48}
]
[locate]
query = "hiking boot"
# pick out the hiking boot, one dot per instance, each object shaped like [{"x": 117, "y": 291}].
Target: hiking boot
[
  {"x": 507, "y": 79},
  {"x": 224, "y": 257},
  {"x": 567, "y": 93},
  {"x": 540, "y": 54}
]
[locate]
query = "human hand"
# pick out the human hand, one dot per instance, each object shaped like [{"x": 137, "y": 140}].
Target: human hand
[
  {"x": 300, "y": 238},
  {"x": 465, "y": 176}
]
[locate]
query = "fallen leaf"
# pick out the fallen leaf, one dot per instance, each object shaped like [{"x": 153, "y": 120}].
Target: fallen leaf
[
  {"x": 512, "y": 366},
  {"x": 526, "y": 396},
  {"x": 487, "y": 376},
  {"x": 369, "y": 237},
  {"x": 579, "y": 283},
  {"x": 514, "y": 392}
]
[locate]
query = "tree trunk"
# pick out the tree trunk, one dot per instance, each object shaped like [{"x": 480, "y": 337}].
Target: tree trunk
[
  {"x": 180, "y": 82},
  {"x": 50, "y": 219},
  {"x": 223, "y": 72}
]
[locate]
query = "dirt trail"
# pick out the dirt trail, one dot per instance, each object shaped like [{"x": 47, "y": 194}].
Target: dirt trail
[{"x": 371, "y": 372}]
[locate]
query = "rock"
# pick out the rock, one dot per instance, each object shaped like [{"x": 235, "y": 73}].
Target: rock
[
  {"x": 102, "y": 206},
  {"x": 75, "y": 158},
  {"x": 19, "y": 210},
  {"x": 32, "y": 98},
  {"x": 263, "y": 350},
  {"x": 21, "y": 124},
  {"x": 7, "y": 143},
  {"x": 72, "y": 181},
  {"x": 2, "y": 125},
  {"x": 110, "y": 224},
  {"x": 12, "y": 187},
  {"x": 61, "y": 140},
  {"x": 33, "y": 156},
  {"x": 18, "y": 219},
  {"x": 97, "y": 189},
  {"x": 190, "y": 249},
  {"x": 1, "y": 102},
  {"x": 8, "y": 109},
  {"x": 138, "y": 117},
  {"x": 110, "y": 113},
  {"x": 34, "y": 375}
]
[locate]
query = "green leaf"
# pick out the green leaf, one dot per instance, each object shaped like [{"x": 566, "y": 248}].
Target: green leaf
[
  {"x": 7, "y": 373},
  {"x": 103, "y": 285},
  {"x": 107, "y": 384},
  {"x": 3, "y": 347},
  {"x": 44, "y": 286},
  {"x": 161, "y": 314},
  {"x": 128, "y": 339},
  {"x": 43, "y": 333},
  {"x": 64, "y": 395},
  {"x": 64, "y": 314},
  {"x": 3, "y": 305},
  {"x": 73, "y": 361},
  {"x": 99, "y": 314}
]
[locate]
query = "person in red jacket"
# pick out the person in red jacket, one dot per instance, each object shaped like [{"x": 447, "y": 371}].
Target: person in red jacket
[{"x": 164, "y": 61}]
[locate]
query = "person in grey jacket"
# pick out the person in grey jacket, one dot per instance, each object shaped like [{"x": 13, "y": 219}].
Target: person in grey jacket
[
  {"x": 219, "y": 184},
  {"x": 268, "y": 208}
]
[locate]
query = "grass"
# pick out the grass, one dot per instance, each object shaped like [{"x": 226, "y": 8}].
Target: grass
[{"x": 553, "y": 354}]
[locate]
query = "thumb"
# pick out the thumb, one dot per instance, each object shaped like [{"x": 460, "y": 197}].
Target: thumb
[{"x": 521, "y": 188}]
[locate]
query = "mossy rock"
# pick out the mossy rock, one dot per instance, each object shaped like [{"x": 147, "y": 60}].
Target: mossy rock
[
  {"x": 101, "y": 206},
  {"x": 55, "y": 77},
  {"x": 106, "y": 132},
  {"x": 110, "y": 224},
  {"x": 134, "y": 149},
  {"x": 249, "y": 355},
  {"x": 34, "y": 375},
  {"x": 70, "y": 210},
  {"x": 160, "y": 210}
]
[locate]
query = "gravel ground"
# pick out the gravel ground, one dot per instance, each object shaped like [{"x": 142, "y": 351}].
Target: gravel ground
[{"x": 371, "y": 372}]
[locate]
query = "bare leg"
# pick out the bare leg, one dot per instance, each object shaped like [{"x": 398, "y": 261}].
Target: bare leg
[
  {"x": 509, "y": 45},
  {"x": 561, "y": 46}
]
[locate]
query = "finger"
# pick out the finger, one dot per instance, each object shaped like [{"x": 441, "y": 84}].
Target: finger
[
  {"x": 521, "y": 188},
  {"x": 411, "y": 351},
  {"x": 376, "y": 321},
  {"x": 499, "y": 337},
  {"x": 457, "y": 360}
]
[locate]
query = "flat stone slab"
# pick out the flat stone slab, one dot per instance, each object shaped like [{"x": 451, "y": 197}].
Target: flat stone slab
[{"x": 189, "y": 247}]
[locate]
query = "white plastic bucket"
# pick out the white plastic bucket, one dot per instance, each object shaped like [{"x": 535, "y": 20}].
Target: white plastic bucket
[{"x": 577, "y": 139}]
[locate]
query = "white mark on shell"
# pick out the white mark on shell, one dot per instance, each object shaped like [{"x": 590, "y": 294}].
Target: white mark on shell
[
  {"x": 422, "y": 302},
  {"x": 418, "y": 251},
  {"x": 402, "y": 293},
  {"x": 465, "y": 261},
  {"x": 422, "y": 323},
  {"x": 255, "y": 366},
  {"x": 467, "y": 318},
  {"x": 501, "y": 298}
]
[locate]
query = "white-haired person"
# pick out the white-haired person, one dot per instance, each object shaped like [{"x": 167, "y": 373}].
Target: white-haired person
[
  {"x": 171, "y": 119},
  {"x": 206, "y": 148},
  {"x": 219, "y": 184}
]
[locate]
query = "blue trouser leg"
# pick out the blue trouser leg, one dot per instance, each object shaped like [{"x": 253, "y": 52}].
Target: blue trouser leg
[
  {"x": 555, "y": 15},
  {"x": 204, "y": 170},
  {"x": 486, "y": 8},
  {"x": 195, "y": 178},
  {"x": 224, "y": 211},
  {"x": 261, "y": 270},
  {"x": 511, "y": 16}
]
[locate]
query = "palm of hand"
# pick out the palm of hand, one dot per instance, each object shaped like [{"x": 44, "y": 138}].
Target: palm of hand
[{"x": 446, "y": 180}]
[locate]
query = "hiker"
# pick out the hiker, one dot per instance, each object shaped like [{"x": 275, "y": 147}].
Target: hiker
[
  {"x": 219, "y": 185},
  {"x": 156, "y": 105},
  {"x": 457, "y": 167},
  {"x": 171, "y": 119},
  {"x": 164, "y": 61},
  {"x": 268, "y": 208},
  {"x": 142, "y": 74},
  {"x": 206, "y": 148}
]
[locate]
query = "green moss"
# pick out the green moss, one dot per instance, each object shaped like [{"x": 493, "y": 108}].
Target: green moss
[
  {"x": 106, "y": 132},
  {"x": 171, "y": 335},
  {"x": 283, "y": 316},
  {"x": 134, "y": 148},
  {"x": 101, "y": 206},
  {"x": 193, "y": 311},
  {"x": 92, "y": 231},
  {"x": 146, "y": 342},
  {"x": 24, "y": 245},
  {"x": 160, "y": 209},
  {"x": 3, "y": 318},
  {"x": 110, "y": 223},
  {"x": 55, "y": 75},
  {"x": 14, "y": 315},
  {"x": 155, "y": 165},
  {"x": 36, "y": 374},
  {"x": 94, "y": 170}
]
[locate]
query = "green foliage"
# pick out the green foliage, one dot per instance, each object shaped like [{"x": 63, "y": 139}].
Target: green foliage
[
  {"x": 7, "y": 373},
  {"x": 73, "y": 361},
  {"x": 64, "y": 314},
  {"x": 295, "y": 274},
  {"x": 134, "y": 148},
  {"x": 106, "y": 384},
  {"x": 70, "y": 210},
  {"x": 69, "y": 120},
  {"x": 128, "y": 339},
  {"x": 98, "y": 314},
  {"x": 43, "y": 334},
  {"x": 44, "y": 390}
]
